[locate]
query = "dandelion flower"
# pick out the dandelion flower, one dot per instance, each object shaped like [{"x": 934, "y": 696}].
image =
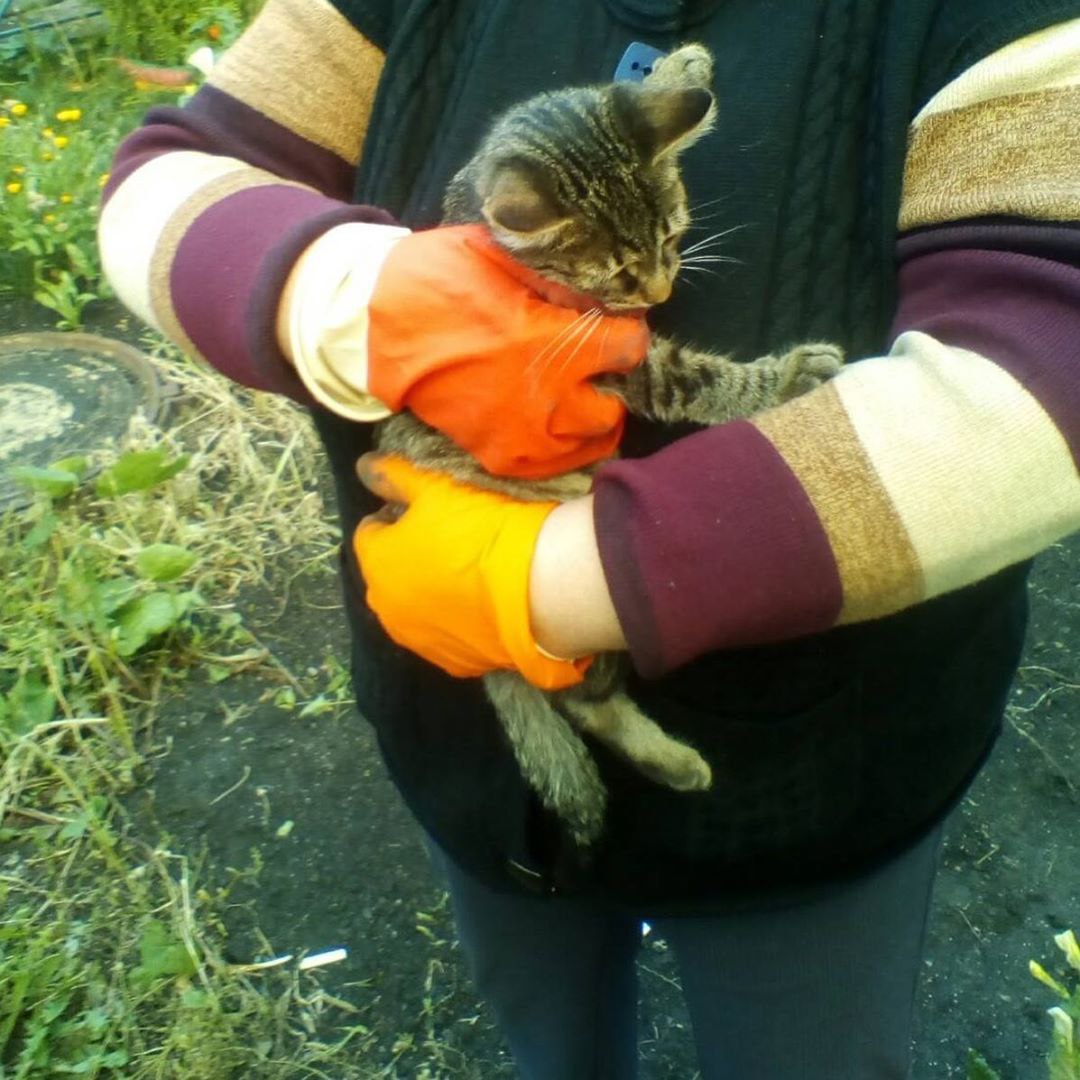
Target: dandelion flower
[
  {"x": 4, "y": 121},
  {"x": 103, "y": 179},
  {"x": 66, "y": 198},
  {"x": 61, "y": 141},
  {"x": 48, "y": 218},
  {"x": 13, "y": 188},
  {"x": 48, "y": 133},
  {"x": 69, "y": 116},
  {"x": 18, "y": 170},
  {"x": 47, "y": 155},
  {"x": 18, "y": 108}
]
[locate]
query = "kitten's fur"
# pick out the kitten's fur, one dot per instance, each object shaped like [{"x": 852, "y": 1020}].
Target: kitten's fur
[{"x": 582, "y": 185}]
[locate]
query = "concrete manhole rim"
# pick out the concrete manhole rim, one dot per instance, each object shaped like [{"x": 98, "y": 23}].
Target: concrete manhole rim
[{"x": 146, "y": 385}]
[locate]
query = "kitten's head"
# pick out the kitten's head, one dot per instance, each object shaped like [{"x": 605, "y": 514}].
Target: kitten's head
[{"x": 583, "y": 186}]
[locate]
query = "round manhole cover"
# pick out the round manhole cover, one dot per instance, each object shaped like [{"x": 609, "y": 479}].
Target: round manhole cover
[{"x": 63, "y": 395}]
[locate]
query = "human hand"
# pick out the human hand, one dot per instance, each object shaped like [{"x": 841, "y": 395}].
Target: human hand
[
  {"x": 449, "y": 578},
  {"x": 444, "y": 323},
  {"x": 494, "y": 356}
]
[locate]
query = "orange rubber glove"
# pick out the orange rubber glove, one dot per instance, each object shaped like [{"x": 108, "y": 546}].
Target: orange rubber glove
[
  {"x": 463, "y": 606},
  {"x": 484, "y": 349},
  {"x": 447, "y": 325}
]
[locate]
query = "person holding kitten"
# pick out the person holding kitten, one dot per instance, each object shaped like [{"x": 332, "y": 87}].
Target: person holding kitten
[{"x": 826, "y": 600}]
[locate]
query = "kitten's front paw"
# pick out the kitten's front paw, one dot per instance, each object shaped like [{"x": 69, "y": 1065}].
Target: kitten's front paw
[
  {"x": 687, "y": 68},
  {"x": 808, "y": 366}
]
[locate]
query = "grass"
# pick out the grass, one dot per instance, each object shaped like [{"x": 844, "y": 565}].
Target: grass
[{"x": 110, "y": 950}]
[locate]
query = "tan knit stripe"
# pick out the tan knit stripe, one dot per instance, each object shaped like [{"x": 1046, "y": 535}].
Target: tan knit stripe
[
  {"x": 133, "y": 220},
  {"x": 1041, "y": 61},
  {"x": 304, "y": 66},
  {"x": 1016, "y": 155},
  {"x": 979, "y": 474},
  {"x": 173, "y": 234},
  {"x": 879, "y": 569}
]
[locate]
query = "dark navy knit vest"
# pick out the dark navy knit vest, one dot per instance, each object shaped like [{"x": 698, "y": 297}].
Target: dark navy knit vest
[{"x": 831, "y": 752}]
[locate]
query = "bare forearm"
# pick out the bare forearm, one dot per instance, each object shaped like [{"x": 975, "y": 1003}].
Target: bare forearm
[{"x": 569, "y": 602}]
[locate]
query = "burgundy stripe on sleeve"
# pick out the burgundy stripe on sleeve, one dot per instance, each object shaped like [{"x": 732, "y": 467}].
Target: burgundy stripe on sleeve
[
  {"x": 214, "y": 122},
  {"x": 705, "y": 545},
  {"x": 1019, "y": 310},
  {"x": 230, "y": 268}
]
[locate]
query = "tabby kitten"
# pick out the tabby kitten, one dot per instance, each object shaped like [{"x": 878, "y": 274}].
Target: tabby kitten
[{"x": 582, "y": 185}]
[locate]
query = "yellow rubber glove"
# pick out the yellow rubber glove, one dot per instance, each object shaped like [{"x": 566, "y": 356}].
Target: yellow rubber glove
[{"x": 463, "y": 605}]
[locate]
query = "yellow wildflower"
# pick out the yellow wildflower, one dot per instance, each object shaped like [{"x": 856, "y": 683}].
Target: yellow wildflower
[
  {"x": 4, "y": 121},
  {"x": 47, "y": 155},
  {"x": 13, "y": 188},
  {"x": 48, "y": 132},
  {"x": 18, "y": 109},
  {"x": 61, "y": 141},
  {"x": 48, "y": 218},
  {"x": 18, "y": 170},
  {"x": 68, "y": 116},
  {"x": 66, "y": 198},
  {"x": 103, "y": 179}
]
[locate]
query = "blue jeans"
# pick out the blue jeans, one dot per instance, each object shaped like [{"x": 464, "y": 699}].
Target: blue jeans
[{"x": 820, "y": 991}]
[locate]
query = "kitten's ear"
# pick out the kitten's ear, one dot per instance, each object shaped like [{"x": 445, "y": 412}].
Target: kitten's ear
[
  {"x": 518, "y": 202},
  {"x": 665, "y": 121}
]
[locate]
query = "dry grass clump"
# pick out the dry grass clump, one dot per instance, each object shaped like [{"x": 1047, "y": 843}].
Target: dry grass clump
[{"x": 121, "y": 576}]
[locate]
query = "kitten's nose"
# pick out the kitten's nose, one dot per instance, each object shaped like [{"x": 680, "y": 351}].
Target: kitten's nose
[{"x": 656, "y": 290}]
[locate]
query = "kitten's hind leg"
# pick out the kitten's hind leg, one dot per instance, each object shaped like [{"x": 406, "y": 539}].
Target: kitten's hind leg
[
  {"x": 553, "y": 758},
  {"x": 618, "y": 722}
]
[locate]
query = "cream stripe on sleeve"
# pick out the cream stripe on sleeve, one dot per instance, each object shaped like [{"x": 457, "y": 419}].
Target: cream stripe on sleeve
[{"x": 1001, "y": 443}]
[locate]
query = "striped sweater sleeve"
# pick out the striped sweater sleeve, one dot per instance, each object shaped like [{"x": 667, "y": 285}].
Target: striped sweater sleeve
[
  {"x": 909, "y": 475},
  {"x": 208, "y": 207}
]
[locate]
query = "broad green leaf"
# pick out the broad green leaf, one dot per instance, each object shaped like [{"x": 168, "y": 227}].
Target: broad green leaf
[
  {"x": 29, "y": 703},
  {"x": 116, "y": 592},
  {"x": 82, "y": 597},
  {"x": 161, "y": 954},
  {"x": 139, "y": 470},
  {"x": 77, "y": 465},
  {"x": 145, "y": 617},
  {"x": 164, "y": 562},
  {"x": 43, "y": 528},
  {"x": 56, "y": 483}
]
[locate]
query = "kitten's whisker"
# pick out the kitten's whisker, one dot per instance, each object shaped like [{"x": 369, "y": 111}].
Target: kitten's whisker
[
  {"x": 565, "y": 339},
  {"x": 699, "y": 270},
  {"x": 714, "y": 238},
  {"x": 697, "y": 260},
  {"x": 564, "y": 336},
  {"x": 708, "y": 202},
  {"x": 594, "y": 323}
]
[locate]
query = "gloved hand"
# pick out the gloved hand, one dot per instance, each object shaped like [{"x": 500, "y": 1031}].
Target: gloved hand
[
  {"x": 446, "y": 324},
  {"x": 463, "y": 605}
]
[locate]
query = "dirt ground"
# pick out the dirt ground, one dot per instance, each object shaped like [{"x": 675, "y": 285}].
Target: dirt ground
[{"x": 351, "y": 870}]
